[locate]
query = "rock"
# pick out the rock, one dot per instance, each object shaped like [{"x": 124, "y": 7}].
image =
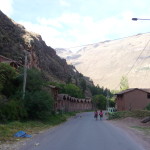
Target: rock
[
  {"x": 36, "y": 144},
  {"x": 145, "y": 120}
]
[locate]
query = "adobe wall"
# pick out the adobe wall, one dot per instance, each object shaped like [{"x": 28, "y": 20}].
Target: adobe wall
[{"x": 134, "y": 100}]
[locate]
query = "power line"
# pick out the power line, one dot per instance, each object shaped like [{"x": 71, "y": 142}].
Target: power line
[
  {"x": 137, "y": 58},
  {"x": 139, "y": 70},
  {"x": 135, "y": 61}
]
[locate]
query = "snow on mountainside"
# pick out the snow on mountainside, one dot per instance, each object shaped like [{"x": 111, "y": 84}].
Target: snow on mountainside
[{"x": 106, "y": 62}]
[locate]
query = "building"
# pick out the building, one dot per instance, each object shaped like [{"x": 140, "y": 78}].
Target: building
[
  {"x": 67, "y": 103},
  {"x": 132, "y": 99},
  {"x": 11, "y": 62}
]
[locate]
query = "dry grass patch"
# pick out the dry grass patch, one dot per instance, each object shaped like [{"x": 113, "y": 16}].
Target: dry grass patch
[{"x": 7, "y": 130}]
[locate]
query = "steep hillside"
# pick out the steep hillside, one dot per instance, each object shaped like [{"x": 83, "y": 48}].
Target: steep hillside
[
  {"x": 106, "y": 62},
  {"x": 14, "y": 39}
]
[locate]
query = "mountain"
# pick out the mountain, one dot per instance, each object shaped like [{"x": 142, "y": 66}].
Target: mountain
[
  {"x": 64, "y": 53},
  {"x": 15, "y": 39},
  {"x": 106, "y": 62}
]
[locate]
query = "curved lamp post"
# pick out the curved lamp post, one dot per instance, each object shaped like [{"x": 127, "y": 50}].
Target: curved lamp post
[{"x": 135, "y": 19}]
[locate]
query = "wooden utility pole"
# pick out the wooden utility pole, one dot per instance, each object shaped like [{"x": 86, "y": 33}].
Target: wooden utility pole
[{"x": 25, "y": 75}]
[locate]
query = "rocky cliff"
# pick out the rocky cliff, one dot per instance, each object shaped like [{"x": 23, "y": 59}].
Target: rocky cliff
[{"x": 15, "y": 40}]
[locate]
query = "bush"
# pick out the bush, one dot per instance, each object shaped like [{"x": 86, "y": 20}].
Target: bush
[
  {"x": 148, "y": 107},
  {"x": 134, "y": 113},
  {"x": 34, "y": 80},
  {"x": 39, "y": 105},
  {"x": 115, "y": 115},
  {"x": 12, "y": 110},
  {"x": 73, "y": 90},
  {"x": 7, "y": 78}
]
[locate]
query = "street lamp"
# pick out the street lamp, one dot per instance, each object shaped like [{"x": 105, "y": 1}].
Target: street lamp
[{"x": 135, "y": 19}]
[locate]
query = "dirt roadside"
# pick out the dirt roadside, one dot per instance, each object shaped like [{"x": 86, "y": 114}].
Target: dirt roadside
[{"x": 140, "y": 132}]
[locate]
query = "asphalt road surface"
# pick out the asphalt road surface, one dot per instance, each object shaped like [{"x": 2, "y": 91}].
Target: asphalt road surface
[{"x": 83, "y": 133}]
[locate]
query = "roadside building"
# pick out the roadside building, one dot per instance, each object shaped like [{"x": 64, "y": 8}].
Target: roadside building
[
  {"x": 67, "y": 103},
  {"x": 54, "y": 91},
  {"x": 11, "y": 62},
  {"x": 132, "y": 99}
]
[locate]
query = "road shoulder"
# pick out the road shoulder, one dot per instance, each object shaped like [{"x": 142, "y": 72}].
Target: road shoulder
[{"x": 140, "y": 132}]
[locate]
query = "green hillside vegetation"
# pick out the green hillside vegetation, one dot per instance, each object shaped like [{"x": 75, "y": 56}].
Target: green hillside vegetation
[
  {"x": 70, "y": 89},
  {"x": 123, "y": 114},
  {"x": 37, "y": 103}
]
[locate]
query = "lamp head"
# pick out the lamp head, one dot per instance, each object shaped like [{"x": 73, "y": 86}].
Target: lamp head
[{"x": 134, "y": 19}]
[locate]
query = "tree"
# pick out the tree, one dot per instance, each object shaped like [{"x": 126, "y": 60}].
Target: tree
[
  {"x": 34, "y": 80},
  {"x": 73, "y": 90},
  {"x": 39, "y": 104},
  {"x": 100, "y": 101},
  {"x": 83, "y": 85},
  {"x": 124, "y": 83},
  {"x": 7, "y": 78}
]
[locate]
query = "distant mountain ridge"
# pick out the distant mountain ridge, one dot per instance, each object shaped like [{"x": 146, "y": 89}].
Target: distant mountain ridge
[{"x": 106, "y": 62}]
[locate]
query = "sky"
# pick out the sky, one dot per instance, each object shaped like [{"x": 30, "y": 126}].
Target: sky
[{"x": 71, "y": 23}]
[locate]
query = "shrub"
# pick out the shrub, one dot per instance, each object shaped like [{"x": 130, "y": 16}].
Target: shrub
[
  {"x": 12, "y": 110},
  {"x": 148, "y": 107},
  {"x": 134, "y": 113},
  {"x": 115, "y": 115},
  {"x": 34, "y": 80},
  {"x": 39, "y": 104},
  {"x": 7, "y": 77},
  {"x": 73, "y": 90}
]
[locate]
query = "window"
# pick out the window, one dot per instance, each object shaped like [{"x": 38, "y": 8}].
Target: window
[{"x": 148, "y": 95}]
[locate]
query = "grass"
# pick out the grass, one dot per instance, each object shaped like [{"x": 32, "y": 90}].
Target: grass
[
  {"x": 7, "y": 130},
  {"x": 124, "y": 114},
  {"x": 146, "y": 130}
]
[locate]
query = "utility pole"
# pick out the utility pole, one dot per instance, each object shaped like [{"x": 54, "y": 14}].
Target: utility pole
[
  {"x": 107, "y": 102},
  {"x": 25, "y": 74}
]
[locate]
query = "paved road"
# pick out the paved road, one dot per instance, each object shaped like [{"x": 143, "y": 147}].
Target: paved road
[{"x": 83, "y": 133}]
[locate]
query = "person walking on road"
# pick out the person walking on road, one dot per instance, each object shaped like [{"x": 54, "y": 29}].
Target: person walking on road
[
  {"x": 96, "y": 114},
  {"x": 101, "y": 114}
]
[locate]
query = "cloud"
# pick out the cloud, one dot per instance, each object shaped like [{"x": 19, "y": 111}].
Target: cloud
[
  {"x": 64, "y": 3},
  {"x": 51, "y": 22},
  {"x": 72, "y": 29},
  {"x": 49, "y": 34},
  {"x": 6, "y": 7}
]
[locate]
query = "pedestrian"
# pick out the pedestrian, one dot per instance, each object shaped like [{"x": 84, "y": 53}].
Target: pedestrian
[
  {"x": 101, "y": 114},
  {"x": 96, "y": 114}
]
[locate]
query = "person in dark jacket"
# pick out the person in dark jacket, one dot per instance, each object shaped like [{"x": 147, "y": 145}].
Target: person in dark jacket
[
  {"x": 96, "y": 114},
  {"x": 101, "y": 114}
]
